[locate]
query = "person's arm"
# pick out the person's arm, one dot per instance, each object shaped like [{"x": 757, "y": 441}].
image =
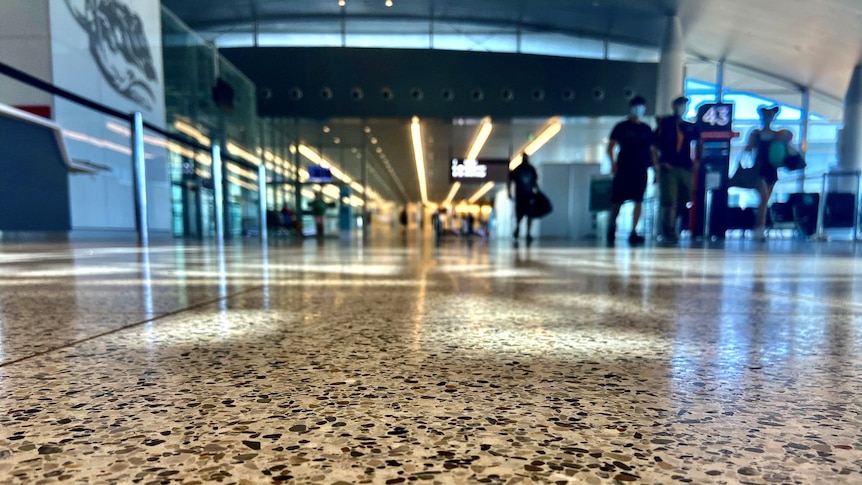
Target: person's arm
[
  {"x": 752, "y": 140},
  {"x": 612, "y": 146}
]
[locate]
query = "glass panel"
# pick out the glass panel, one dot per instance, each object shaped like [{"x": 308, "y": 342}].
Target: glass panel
[
  {"x": 626, "y": 52},
  {"x": 299, "y": 40},
  {"x": 470, "y": 37},
  {"x": 561, "y": 45},
  {"x": 401, "y": 41}
]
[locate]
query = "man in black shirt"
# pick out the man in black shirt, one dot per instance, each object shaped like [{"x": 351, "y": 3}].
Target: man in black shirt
[
  {"x": 674, "y": 137},
  {"x": 630, "y": 167}
]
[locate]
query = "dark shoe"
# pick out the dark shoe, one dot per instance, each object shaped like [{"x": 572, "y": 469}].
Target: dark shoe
[
  {"x": 635, "y": 239},
  {"x": 669, "y": 239},
  {"x": 612, "y": 235}
]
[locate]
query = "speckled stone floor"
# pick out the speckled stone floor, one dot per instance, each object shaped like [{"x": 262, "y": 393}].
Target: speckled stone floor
[{"x": 463, "y": 363}]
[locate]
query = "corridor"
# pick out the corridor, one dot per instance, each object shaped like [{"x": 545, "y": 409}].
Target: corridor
[{"x": 461, "y": 363}]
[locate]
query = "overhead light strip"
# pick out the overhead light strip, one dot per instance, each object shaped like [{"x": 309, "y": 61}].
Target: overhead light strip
[
  {"x": 480, "y": 139},
  {"x": 449, "y": 198},
  {"x": 549, "y": 131},
  {"x": 419, "y": 156},
  {"x": 481, "y": 192}
]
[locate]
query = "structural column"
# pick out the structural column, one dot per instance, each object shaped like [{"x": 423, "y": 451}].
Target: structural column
[
  {"x": 851, "y": 152},
  {"x": 671, "y": 67}
]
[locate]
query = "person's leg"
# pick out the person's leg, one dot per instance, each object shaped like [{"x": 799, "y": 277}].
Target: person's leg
[
  {"x": 636, "y": 215},
  {"x": 764, "y": 188},
  {"x": 685, "y": 185},
  {"x": 517, "y": 231},
  {"x": 318, "y": 223},
  {"x": 529, "y": 225},
  {"x": 612, "y": 222},
  {"x": 667, "y": 200}
]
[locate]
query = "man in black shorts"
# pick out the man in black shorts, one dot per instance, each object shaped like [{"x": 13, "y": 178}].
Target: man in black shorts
[{"x": 631, "y": 166}]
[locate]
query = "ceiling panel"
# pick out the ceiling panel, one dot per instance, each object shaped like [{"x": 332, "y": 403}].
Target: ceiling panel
[{"x": 813, "y": 43}]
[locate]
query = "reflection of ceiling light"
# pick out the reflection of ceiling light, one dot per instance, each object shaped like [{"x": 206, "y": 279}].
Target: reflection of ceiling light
[
  {"x": 342, "y": 3},
  {"x": 373, "y": 140},
  {"x": 379, "y": 150},
  {"x": 367, "y": 129},
  {"x": 482, "y": 191},
  {"x": 337, "y": 140},
  {"x": 549, "y": 131},
  {"x": 326, "y": 129},
  {"x": 455, "y": 188},
  {"x": 481, "y": 137},
  {"x": 388, "y": 3},
  {"x": 191, "y": 131},
  {"x": 419, "y": 155},
  {"x": 239, "y": 152}
]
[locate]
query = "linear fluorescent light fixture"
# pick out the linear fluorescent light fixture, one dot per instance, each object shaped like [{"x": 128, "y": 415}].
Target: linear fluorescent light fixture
[
  {"x": 449, "y": 198},
  {"x": 480, "y": 139},
  {"x": 548, "y": 132},
  {"x": 238, "y": 151},
  {"x": 481, "y": 192},
  {"x": 419, "y": 155}
]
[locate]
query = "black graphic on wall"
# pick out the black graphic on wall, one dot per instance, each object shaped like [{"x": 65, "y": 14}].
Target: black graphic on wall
[{"x": 119, "y": 46}]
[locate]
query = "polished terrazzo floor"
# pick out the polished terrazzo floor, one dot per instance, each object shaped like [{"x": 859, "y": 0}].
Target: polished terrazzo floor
[{"x": 404, "y": 362}]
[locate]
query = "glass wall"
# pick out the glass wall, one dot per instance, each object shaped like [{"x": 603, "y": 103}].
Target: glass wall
[
  {"x": 748, "y": 91},
  {"x": 427, "y": 34}
]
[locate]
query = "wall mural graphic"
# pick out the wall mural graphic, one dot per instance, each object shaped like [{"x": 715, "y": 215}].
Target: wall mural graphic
[{"x": 119, "y": 46}]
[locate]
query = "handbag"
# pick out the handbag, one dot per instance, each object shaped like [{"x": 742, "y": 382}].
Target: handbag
[
  {"x": 540, "y": 205},
  {"x": 746, "y": 173},
  {"x": 794, "y": 160}
]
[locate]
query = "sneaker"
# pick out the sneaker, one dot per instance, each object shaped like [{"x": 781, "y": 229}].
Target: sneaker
[{"x": 635, "y": 239}]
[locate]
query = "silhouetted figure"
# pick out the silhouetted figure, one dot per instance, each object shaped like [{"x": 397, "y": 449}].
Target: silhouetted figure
[
  {"x": 674, "y": 137},
  {"x": 525, "y": 180},
  {"x": 630, "y": 167},
  {"x": 769, "y": 147}
]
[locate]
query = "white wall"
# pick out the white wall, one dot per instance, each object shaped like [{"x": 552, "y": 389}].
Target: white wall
[
  {"x": 568, "y": 187},
  {"x": 25, "y": 43},
  {"x": 105, "y": 201}
]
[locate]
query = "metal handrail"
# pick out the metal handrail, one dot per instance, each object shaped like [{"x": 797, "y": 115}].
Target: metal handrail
[{"x": 138, "y": 124}]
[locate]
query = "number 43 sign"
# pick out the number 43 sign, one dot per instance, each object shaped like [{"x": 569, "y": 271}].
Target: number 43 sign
[{"x": 715, "y": 117}]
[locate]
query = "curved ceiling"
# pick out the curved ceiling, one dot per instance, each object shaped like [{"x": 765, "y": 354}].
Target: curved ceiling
[{"x": 810, "y": 43}]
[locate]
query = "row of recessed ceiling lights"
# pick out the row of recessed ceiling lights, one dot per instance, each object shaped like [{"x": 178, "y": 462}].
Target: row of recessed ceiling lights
[
  {"x": 477, "y": 94},
  {"x": 343, "y": 3}
]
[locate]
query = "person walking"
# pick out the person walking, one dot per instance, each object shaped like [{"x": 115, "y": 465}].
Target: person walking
[
  {"x": 770, "y": 148},
  {"x": 630, "y": 166},
  {"x": 318, "y": 210},
  {"x": 674, "y": 137},
  {"x": 525, "y": 180}
]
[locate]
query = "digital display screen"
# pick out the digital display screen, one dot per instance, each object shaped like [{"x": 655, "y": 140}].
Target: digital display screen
[
  {"x": 461, "y": 170},
  {"x": 319, "y": 175}
]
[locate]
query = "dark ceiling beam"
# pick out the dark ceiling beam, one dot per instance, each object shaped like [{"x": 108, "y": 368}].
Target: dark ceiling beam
[{"x": 230, "y": 25}]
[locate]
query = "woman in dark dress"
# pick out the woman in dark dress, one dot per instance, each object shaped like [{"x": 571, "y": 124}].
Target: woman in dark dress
[{"x": 760, "y": 142}]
